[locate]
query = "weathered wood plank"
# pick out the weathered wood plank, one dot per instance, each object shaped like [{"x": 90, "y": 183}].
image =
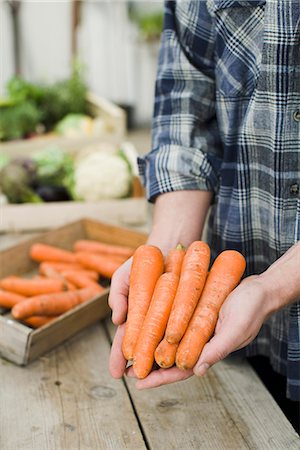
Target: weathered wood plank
[
  {"x": 229, "y": 408},
  {"x": 67, "y": 400}
]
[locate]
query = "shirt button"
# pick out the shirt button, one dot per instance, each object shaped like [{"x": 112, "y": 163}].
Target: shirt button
[
  {"x": 294, "y": 189},
  {"x": 296, "y": 115}
]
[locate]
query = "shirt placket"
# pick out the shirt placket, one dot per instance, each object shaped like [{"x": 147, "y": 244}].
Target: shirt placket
[{"x": 291, "y": 138}]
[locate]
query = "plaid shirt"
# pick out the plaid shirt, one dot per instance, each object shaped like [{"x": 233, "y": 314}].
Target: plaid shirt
[{"x": 227, "y": 119}]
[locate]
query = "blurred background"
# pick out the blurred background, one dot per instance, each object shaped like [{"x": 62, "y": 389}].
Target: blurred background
[
  {"x": 76, "y": 100},
  {"x": 114, "y": 41}
]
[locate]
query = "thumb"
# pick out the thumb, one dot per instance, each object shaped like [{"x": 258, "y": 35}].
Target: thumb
[
  {"x": 118, "y": 294},
  {"x": 215, "y": 350}
]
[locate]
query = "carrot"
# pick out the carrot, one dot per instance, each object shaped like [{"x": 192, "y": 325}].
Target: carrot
[
  {"x": 9, "y": 299},
  {"x": 192, "y": 278},
  {"x": 147, "y": 267},
  {"x": 165, "y": 354},
  {"x": 52, "y": 273},
  {"x": 52, "y": 304},
  {"x": 174, "y": 259},
  {"x": 102, "y": 264},
  {"x": 38, "y": 321},
  {"x": 155, "y": 323},
  {"x": 103, "y": 248},
  {"x": 32, "y": 287},
  {"x": 91, "y": 274},
  {"x": 223, "y": 277},
  {"x": 80, "y": 280},
  {"x": 46, "y": 268},
  {"x": 43, "y": 252},
  {"x": 59, "y": 267}
]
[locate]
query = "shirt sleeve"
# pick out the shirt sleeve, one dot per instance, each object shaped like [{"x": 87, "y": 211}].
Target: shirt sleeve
[{"x": 186, "y": 148}]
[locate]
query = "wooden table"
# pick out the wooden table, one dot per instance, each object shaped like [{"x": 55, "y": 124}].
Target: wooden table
[{"x": 67, "y": 400}]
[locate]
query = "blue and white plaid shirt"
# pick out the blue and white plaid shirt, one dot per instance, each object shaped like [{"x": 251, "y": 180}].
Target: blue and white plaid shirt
[{"x": 227, "y": 119}]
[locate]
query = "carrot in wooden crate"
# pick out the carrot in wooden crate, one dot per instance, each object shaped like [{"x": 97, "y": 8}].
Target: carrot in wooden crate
[
  {"x": 192, "y": 278},
  {"x": 10, "y": 299},
  {"x": 38, "y": 321},
  {"x": 80, "y": 280},
  {"x": 103, "y": 264},
  {"x": 155, "y": 323},
  {"x": 147, "y": 267},
  {"x": 45, "y": 266},
  {"x": 43, "y": 252},
  {"x": 165, "y": 354},
  {"x": 31, "y": 287},
  {"x": 52, "y": 304},
  {"x": 84, "y": 245},
  {"x": 224, "y": 276}
]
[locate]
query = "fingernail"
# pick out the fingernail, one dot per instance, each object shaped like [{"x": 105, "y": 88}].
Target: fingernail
[{"x": 201, "y": 370}]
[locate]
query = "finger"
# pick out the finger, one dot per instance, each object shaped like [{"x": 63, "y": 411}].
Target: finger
[
  {"x": 117, "y": 362},
  {"x": 163, "y": 376},
  {"x": 119, "y": 293},
  {"x": 223, "y": 343}
]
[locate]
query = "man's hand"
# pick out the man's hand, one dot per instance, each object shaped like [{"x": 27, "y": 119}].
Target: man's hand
[
  {"x": 240, "y": 320},
  {"x": 118, "y": 303}
]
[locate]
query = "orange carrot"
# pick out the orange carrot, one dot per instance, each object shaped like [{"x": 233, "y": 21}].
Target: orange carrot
[
  {"x": 192, "y": 278},
  {"x": 43, "y": 252},
  {"x": 174, "y": 259},
  {"x": 59, "y": 267},
  {"x": 9, "y": 299},
  {"x": 102, "y": 264},
  {"x": 80, "y": 280},
  {"x": 38, "y": 321},
  {"x": 91, "y": 274},
  {"x": 147, "y": 267},
  {"x": 155, "y": 323},
  {"x": 28, "y": 288},
  {"x": 103, "y": 248},
  {"x": 223, "y": 277},
  {"x": 165, "y": 354},
  {"x": 52, "y": 273},
  {"x": 47, "y": 268},
  {"x": 52, "y": 304}
]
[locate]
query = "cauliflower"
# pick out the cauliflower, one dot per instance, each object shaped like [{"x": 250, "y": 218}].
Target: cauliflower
[{"x": 102, "y": 175}]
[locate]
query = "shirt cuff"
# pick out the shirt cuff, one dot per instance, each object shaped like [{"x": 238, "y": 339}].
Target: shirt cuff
[{"x": 173, "y": 168}]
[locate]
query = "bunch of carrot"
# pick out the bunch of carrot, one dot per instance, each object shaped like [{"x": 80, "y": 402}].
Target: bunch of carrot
[
  {"x": 173, "y": 303},
  {"x": 66, "y": 279}
]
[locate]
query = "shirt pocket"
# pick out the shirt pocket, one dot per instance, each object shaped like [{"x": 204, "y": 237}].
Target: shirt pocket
[{"x": 239, "y": 28}]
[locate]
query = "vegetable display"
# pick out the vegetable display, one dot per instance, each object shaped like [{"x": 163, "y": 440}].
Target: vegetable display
[
  {"x": 30, "y": 107},
  {"x": 63, "y": 282},
  {"x": 94, "y": 173},
  {"x": 173, "y": 305}
]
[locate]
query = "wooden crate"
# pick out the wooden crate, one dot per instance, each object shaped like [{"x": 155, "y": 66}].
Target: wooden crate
[
  {"x": 44, "y": 216},
  {"x": 20, "y": 343}
]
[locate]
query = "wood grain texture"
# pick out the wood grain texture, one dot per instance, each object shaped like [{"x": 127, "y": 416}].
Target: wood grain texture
[
  {"x": 67, "y": 401},
  {"x": 229, "y": 408}
]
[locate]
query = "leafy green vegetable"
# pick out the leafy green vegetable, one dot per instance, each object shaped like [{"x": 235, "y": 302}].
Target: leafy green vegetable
[
  {"x": 29, "y": 104},
  {"x": 54, "y": 168},
  {"x": 18, "y": 120},
  {"x": 20, "y": 90},
  {"x": 62, "y": 98}
]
